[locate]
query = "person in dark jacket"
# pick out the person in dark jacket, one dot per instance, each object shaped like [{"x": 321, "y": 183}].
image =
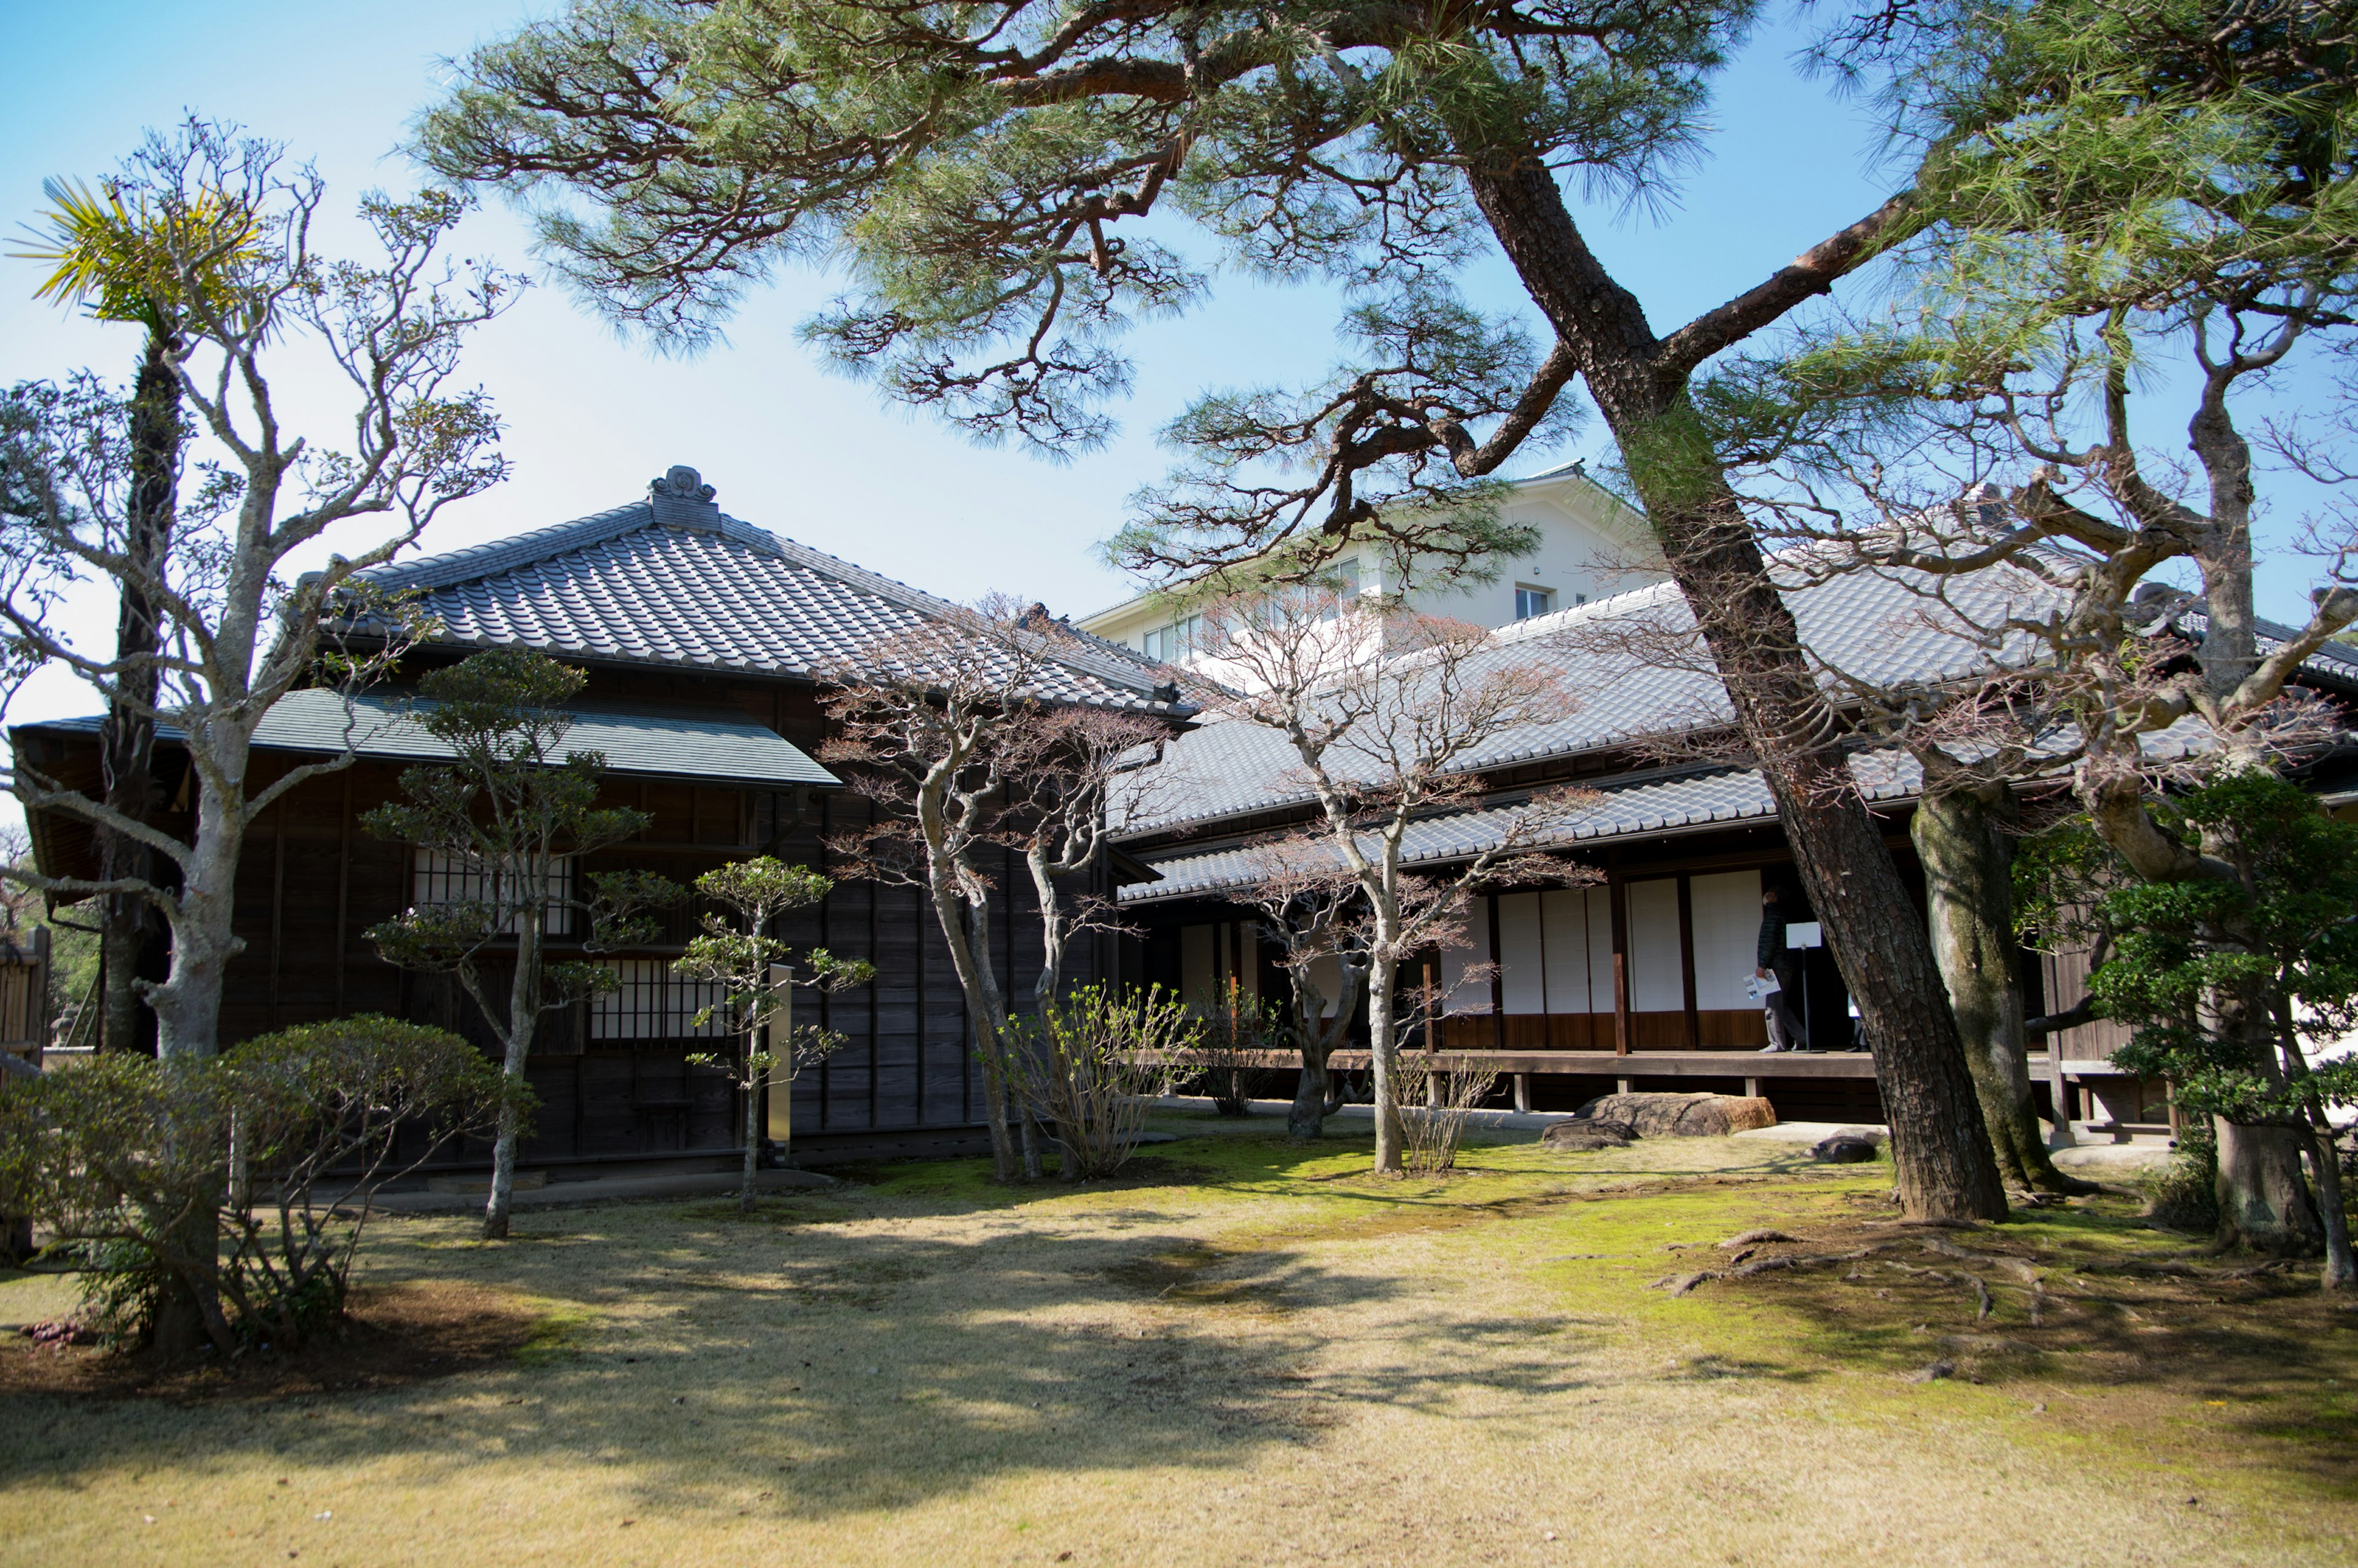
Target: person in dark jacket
[{"x": 1786, "y": 1031}]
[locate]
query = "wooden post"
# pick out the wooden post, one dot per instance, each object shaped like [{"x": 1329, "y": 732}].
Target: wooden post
[
  {"x": 778, "y": 1113},
  {"x": 1614, "y": 889},
  {"x": 1752, "y": 1089},
  {"x": 1498, "y": 976},
  {"x": 1686, "y": 960},
  {"x": 1523, "y": 1092},
  {"x": 1621, "y": 1086}
]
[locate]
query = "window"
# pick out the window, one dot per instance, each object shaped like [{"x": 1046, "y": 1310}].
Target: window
[
  {"x": 651, "y": 1003},
  {"x": 1530, "y": 602},
  {"x": 1580, "y": 599},
  {"x": 1347, "y": 577},
  {"x": 1174, "y": 642},
  {"x": 437, "y": 878}
]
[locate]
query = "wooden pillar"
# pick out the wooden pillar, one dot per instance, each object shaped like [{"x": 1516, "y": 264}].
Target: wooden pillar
[
  {"x": 1686, "y": 960},
  {"x": 1752, "y": 1089},
  {"x": 343, "y": 888},
  {"x": 1621, "y": 1086},
  {"x": 826, "y": 922},
  {"x": 1615, "y": 890},
  {"x": 1498, "y": 976},
  {"x": 917, "y": 926},
  {"x": 1522, "y": 1091},
  {"x": 277, "y": 899},
  {"x": 875, "y": 996}
]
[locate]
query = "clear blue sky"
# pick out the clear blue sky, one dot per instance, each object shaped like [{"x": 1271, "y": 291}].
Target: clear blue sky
[{"x": 591, "y": 417}]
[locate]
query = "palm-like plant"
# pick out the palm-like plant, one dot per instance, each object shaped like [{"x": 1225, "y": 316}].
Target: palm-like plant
[{"x": 124, "y": 257}]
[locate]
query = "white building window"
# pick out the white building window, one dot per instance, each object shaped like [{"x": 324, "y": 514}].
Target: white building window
[
  {"x": 1174, "y": 642},
  {"x": 1530, "y": 602},
  {"x": 439, "y": 878},
  {"x": 651, "y": 1003}
]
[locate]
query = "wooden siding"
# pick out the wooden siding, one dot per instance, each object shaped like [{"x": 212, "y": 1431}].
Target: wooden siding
[{"x": 312, "y": 881}]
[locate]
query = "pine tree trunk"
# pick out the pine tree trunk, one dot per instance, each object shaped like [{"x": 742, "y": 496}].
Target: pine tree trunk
[
  {"x": 1943, "y": 1159},
  {"x": 1961, "y": 835},
  {"x": 753, "y": 1123},
  {"x": 2263, "y": 1203},
  {"x": 524, "y": 1018}
]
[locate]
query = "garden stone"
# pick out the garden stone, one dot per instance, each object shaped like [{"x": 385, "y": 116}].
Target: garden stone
[
  {"x": 1681, "y": 1116},
  {"x": 1842, "y": 1150}
]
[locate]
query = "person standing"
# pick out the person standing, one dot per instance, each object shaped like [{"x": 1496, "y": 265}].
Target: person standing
[{"x": 1771, "y": 956}]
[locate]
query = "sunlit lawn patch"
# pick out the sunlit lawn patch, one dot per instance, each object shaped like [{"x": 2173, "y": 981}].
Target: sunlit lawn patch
[{"x": 1245, "y": 1350}]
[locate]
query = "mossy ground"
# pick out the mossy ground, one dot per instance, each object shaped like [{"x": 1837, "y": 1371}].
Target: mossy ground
[{"x": 1247, "y": 1351}]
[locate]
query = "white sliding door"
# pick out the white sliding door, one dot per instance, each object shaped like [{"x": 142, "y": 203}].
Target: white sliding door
[
  {"x": 1727, "y": 915},
  {"x": 1657, "y": 978}
]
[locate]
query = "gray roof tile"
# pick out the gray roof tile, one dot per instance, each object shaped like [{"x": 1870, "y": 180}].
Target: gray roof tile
[{"x": 689, "y": 587}]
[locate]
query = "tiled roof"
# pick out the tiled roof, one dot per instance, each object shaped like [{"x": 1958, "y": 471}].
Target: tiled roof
[
  {"x": 1867, "y": 625},
  {"x": 675, "y": 583},
  {"x": 678, "y": 742},
  {"x": 1656, "y": 806}
]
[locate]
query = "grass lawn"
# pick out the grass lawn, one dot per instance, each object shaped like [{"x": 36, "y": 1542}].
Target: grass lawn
[{"x": 1247, "y": 1352}]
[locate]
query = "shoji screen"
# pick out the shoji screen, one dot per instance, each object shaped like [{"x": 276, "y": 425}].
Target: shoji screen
[
  {"x": 1726, "y": 925},
  {"x": 1657, "y": 983},
  {"x": 1464, "y": 996}
]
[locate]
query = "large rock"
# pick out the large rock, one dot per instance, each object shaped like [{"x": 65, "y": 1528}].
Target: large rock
[
  {"x": 1681, "y": 1116},
  {"x": 1587, "y": 1136}
]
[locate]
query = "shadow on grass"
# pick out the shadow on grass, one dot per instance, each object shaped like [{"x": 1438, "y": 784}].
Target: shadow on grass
[{"x": 845, "y": 1351}]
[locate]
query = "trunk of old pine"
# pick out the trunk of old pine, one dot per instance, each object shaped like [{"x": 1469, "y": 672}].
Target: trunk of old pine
[
  {"x": 1943, "y": 1155},
  {"x": 2264, "y": 1203},
  {"x": 523, "y": 1020},
  {"x": 1960, "y": 835},
  {"x": 126, "y": 739}
]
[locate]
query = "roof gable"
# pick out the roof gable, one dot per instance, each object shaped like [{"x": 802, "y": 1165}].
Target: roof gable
[{"x": 673, "y": 582}]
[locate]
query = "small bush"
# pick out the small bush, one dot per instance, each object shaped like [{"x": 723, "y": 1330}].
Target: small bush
[
  {"x": 1091, "y": 1066},
  {"x": 1236, "y": 1029},
  {"x": 2186, "y": 1197},
  {"x": 240, "y": 1183},
  {"x": 1436, "y": 1099}
]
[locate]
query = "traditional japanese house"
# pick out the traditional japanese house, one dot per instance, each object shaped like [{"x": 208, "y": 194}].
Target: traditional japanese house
[
  {"x": 701, "y": 635},
  {"x": 1639, "y": 979}
]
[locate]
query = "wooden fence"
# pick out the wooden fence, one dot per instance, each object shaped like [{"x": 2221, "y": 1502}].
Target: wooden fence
[{"x": 25, "y": 994}]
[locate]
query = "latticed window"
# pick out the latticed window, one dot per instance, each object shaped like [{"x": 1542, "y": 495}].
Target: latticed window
[
  {"x": 652, "y": 1003},
  {"x": 439, "y": 878}
]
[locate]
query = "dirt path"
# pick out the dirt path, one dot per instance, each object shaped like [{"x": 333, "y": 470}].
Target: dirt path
[{"x": 1251, "y": 1354}]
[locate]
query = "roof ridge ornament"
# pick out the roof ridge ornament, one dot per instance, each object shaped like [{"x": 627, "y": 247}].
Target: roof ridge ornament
[{"x": 682, "y": 500}]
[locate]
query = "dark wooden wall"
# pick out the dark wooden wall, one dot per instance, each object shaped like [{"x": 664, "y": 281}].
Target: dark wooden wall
[{"x": 312, "y": 881}]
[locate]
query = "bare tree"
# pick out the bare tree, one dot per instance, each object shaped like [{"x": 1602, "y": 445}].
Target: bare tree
[
  {"x": 236, "y": 634},
  {"x": 1310, "y": 905},
  {"x": 1386, "y": 712},
  {"x": 945, "y": 726}
]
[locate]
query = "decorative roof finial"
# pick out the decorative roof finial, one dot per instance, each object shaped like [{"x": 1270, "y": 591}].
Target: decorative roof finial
[
  {"x": 682, "y": 483},
  {"x": 682, "y": 500}
]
